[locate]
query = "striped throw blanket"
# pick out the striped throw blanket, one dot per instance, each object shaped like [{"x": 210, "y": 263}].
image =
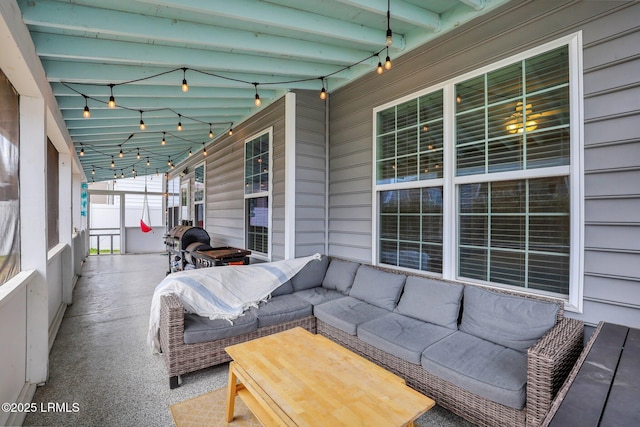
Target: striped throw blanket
[{"x": 222, "y": 292}]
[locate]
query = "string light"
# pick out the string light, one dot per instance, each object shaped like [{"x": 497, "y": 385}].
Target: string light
[
  {"x": 323, "y": 92},
  {"x": 169, "y": 162},
  {"x": 387, "y": 61},
  {"x": 142, "y": 125},
  {"x": 121, "y": 173},
  {"x": 93, "y": 170},
  {"x": 204, "y": 149},
  {"x": 86, "y": 113},
  {"x": 157, "y": 172},
  {"x": 112, "y": 100},
  {"x": 257, "y": 101},
  {"x": 121, "y": 154},
  {"x": 185, "y": 86},
  {"x": 190, "y": 153}
]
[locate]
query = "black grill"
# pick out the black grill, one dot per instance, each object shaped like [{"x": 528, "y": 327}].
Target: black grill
[{"x": 181, "y": 241}]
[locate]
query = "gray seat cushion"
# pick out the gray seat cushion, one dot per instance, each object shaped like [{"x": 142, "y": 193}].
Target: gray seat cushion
[
  {"x": 340, "y": 275},
  {"x": 347, "y": 313},
  {"x": 318, "y": 295},
  {"x": 285, "y": 289},
  {"x": 511, "y": 321},
  {"x": 431, "y": 300},
  {"x": 377, "y": 287},
  {"x": 311, "y": 274},
  {"x": 402, "y": 336},
  {"x": 202, "y": 329},
  {"x": 489, "y": 370},
  {"x": 284, "y": 308}
]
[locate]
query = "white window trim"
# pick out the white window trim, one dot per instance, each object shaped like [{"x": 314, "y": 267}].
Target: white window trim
[
  {"x": 450, "y": 182},
  {"x": 268, "y": 194},
  {"x": 204, "y": 194}
]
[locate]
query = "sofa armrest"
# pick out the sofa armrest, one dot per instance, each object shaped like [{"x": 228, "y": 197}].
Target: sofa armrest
[
  {"x": 171, "y": 323},
  {"x": 549, "y": 362}
]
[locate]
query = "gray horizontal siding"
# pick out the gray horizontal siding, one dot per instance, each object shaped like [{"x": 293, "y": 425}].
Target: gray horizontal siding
[
  {"x": 611, "y": 49},
  {"x": 310, "y": 174}
]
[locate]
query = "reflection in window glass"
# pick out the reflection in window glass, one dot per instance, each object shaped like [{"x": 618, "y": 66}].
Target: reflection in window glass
[{"x": 9, "y": 195}]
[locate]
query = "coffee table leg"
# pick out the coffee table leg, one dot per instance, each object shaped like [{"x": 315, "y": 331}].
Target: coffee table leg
[{"x": 231, "y": 393}]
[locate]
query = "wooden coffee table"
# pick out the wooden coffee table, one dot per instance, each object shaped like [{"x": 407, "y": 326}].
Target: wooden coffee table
[{"x": 296, "y": 378}]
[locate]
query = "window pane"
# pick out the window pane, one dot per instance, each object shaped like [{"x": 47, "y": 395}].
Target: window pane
[
  {"x": 407, "y": 114},
  {"x": 386, "y": 146},
  {"x": 473, "y": 263},
  {"x": 9, "y": 184},
  {"x": 507, "y": 268},
  {"x": 387, "y": 121},
  {"x": 257, "y": 165},
  {"x": 504, "y": 83},
  {"x": 526, "y": 221},
  {"x": 549, "y": 273},
  {"x": 258, "y": 224},
  {"x": 470, "y": 94},
  {"x": 470, "y": 127},
  {"x": 411, "y": 228},
  {"x": 548, "y": 69}
]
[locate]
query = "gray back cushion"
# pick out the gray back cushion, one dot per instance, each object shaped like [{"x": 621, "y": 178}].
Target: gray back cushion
[
  {"x": 432, "y": 301},
  {"x": 311, "y": 274},
  {"x": 377, "y": 287},
  {"x": 340, "y": 275},
  {"x": 285, "y": 289},
  {"x": 508, "y": 320}
]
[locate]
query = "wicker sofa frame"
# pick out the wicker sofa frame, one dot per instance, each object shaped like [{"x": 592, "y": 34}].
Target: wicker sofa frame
[
  {"x": 181, "y": 358},
  {"x": 549, "y": 361}
]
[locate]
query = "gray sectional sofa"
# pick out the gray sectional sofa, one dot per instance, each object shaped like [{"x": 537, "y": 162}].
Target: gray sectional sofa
[{"x": 493, "y": 357}]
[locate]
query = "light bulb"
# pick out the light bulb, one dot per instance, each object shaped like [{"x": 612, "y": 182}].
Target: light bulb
[
  {"x": 258, "y": 102},
  {"x": 121, "y": 154},
  {"x": 164, "y": 141},
  {"x": 112, "y": 102},
  {"x": 185, "y": 86},
  {"x": 142, "y": 125},
  {"x": 323, "y": 94},
  {"x": 179, "y": 126},
  {"x": 210, "y": 133},
  {"x": 389, "y": 40},
  {"x": 86, "y": 113},
  {"x": 230, "y": 131},
  {"x": 81, "y": 152},
  {"x": 380, "y": 70},
  {"x": 387, "y": 63}
]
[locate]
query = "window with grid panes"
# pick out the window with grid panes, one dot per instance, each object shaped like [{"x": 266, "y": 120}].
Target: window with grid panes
[
  {"x": 505, "y": 165},
  {"x": 409, "y": 150},
  {"x": 515, "y": 118},
  {"x": 257, "y": 192}
]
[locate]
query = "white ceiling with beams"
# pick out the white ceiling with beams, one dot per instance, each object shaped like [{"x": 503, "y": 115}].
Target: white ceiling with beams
[{"x": 228, "y": 51}]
